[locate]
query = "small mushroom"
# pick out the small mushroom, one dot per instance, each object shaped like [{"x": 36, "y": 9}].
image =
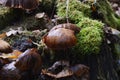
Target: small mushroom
[
  {"x": 5, "y": 47},
  {"x": 3, "y": 62},
  {"x": 60, "y": 39},
  {"x": 26, "y": 67},
  {"x": 30, "y": 60},
  {"x": 24, "y": 4},
  {"x": 67, "y": 26}
]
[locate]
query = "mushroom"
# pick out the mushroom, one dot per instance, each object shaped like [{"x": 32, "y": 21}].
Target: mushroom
[
  {"x": 5, "y": 47},
  {"x": 29, "y": 60},
  {"x": 67, "y": 26},
  {"x": 60, "y": 39},
  {"x": 24, "y": 4},
  {"x": 3, "y": 62},
  {"x": 26, "y": 67}
]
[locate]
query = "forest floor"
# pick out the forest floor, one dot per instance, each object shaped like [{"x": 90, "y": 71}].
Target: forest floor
[{"x": 25, "y": 30}]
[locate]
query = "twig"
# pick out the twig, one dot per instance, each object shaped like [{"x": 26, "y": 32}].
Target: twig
[{"x": 67, "y": 8}]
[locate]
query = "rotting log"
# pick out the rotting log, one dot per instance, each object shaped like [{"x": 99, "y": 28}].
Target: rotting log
[
  {"x": 102, "y": 66},
  {"x": 108, "y": 15}
]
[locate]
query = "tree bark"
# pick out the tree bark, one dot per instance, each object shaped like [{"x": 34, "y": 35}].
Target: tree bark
[{"x": 102, "y": 65}]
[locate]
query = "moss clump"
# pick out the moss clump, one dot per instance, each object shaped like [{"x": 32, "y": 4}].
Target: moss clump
[
  {"x": 89, "y": 40},
  {"x": 87, "y": 22},
  {"x": 75, "y": 12},
  {"x": 90, "y": 37}
]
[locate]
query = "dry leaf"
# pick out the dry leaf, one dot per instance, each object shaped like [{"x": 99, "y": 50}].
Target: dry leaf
[
  {"x": 39, "y": 15},
  {"x": 3, "y": 35},
  {"x": 62, "y": 74},
  {"x": 78, "y": 70},
  {"x": 13, "y": 55}
]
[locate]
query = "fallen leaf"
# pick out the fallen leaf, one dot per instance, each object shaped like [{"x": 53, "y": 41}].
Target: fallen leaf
[
  {"x": 13, "y": 55},
  {"x": 3, "y": 35}
]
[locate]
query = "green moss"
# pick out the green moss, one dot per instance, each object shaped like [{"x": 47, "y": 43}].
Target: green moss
[
  {"x": 89, "y": 41},
  {"x": 87, "y": 22},
  {"x": 109, "y": 16},
  {"x": 90, "y": 37},
  {"x": 75, "y": 12}
]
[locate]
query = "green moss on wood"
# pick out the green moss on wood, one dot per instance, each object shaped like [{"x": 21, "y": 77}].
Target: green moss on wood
[
  {"x": 75, "y": 12},
  {"x": 89, "y": 40},
  {"x": 87, "y": 22},
  {"x": 109, "y": 15}
]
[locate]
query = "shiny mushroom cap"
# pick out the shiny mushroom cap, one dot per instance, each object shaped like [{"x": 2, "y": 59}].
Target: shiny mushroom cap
[
  {"x": 29, "y": 60},
  {"x": 24, "y": 4},
  {"x": 67, "y": 26},
  {"x": 60, "y": 39},
  {"x": 5, "y": 47}
]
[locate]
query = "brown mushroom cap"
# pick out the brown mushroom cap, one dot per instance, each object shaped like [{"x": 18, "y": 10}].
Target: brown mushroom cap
[
  {"x": 60, "y": 39},
  {"x": 67, "y": 26},
  {"x": 25, "y": 4},
  {"x": 29, "y": 60},
  {"x": 5, "y": 47}
]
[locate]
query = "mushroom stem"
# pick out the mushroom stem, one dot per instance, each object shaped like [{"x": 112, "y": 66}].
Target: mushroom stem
[{"x": 62, "y": 54}]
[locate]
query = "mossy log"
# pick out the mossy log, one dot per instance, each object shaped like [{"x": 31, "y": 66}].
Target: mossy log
[
  {"x": 101, "y": 64},
  {"x": 108, "y": 15}
]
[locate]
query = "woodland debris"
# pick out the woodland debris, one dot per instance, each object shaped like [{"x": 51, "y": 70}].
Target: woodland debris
[
  {"x": 14, "y": 55},
  {"x": 39, "y": 15},
  {"x": 78, "y": 70}
]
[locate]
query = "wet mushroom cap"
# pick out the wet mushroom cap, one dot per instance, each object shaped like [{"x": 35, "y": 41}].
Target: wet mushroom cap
[
  {"x": 29, "y": 60},
  {"x": 67, "y": 26},
  {"x": 5, "y": 47},
  {"x": 24, "y": 4},
  {"x": 60, "y": 39}
]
